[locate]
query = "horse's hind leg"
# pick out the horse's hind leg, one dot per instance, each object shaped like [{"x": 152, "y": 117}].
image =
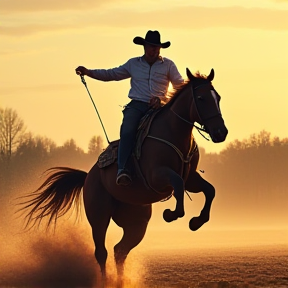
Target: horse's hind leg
[
  {"x": 195, "y": 183},
  {"x": 99, "y": 208},
  {"x": 99, "y": 229},
  {"x": 134, "y": 220}
]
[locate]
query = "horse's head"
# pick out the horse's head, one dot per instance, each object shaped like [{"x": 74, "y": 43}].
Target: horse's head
[{"x": 206, "y": 101}]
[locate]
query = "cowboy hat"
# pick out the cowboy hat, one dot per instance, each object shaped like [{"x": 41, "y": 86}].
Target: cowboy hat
[{"x": 152, "y": 38}]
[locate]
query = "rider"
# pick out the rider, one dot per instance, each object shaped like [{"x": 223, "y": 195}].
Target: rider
[{"x": 150, "y": 76}]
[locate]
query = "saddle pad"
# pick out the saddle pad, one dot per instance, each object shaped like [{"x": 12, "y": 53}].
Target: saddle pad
[{"x": 109, "y": 155}]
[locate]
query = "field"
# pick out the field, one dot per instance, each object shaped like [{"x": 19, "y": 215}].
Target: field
[{"x": 210, "y": 258}]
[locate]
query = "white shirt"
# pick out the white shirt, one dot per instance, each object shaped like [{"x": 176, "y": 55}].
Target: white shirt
[{"x": 146, "y": 81}]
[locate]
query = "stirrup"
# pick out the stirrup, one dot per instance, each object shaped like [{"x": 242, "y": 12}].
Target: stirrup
[{"x": 123, "y": 179}]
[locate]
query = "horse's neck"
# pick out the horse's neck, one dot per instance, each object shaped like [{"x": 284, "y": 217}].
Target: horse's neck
[
  {"x": 182, "y": 106},
  {"x": 173, "y": 124}
]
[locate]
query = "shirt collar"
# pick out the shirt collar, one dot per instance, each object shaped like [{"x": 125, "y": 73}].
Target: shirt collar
[{"x": 160, "y": 59}]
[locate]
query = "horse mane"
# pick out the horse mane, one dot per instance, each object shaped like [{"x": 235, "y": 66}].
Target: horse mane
[{"x": 171, "y": 96}]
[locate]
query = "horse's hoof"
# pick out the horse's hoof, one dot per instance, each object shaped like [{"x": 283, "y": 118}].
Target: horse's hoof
[
  {"x": 195, "y": 223},
  {"x": 169, "y": 216}
]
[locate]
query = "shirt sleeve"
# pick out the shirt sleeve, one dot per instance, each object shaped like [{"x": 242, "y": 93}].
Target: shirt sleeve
[
  {"x": 113, "y": 74},
  {"x": 174, "y": 76}
]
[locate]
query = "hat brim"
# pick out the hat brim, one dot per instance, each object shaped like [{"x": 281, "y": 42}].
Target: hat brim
[{"x": 141, "y": 41}]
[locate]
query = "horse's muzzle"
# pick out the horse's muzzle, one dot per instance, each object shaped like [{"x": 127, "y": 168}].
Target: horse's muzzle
[{"x": 218, "y": 135}]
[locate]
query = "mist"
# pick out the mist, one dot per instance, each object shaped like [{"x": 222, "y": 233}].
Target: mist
[{"x": 249, "y": 213}]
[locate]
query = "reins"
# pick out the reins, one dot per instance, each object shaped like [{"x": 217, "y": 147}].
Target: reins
[{"x": 198, "y": 128}]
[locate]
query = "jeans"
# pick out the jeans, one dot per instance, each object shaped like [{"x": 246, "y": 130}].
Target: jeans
[{"x": 132, "y": 115}]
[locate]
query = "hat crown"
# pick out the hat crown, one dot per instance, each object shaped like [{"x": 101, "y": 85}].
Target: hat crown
[{"x": 153, "y": 37}]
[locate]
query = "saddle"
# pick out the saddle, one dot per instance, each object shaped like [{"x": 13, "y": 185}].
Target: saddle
[{"x": 110, "y": 154}]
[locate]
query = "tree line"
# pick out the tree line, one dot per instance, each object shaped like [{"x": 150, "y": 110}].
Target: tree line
[
  {"x": 250, "y": 175},
  {"x": 23, "y": 155}
]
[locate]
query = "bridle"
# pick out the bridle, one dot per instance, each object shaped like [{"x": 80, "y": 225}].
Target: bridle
[{"x": 201, "y": 118}]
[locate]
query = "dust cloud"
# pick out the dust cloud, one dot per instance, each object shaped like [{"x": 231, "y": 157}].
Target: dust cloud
[
  {"x": 36, "y": 258},
  {"x": 62, "y": 256}
]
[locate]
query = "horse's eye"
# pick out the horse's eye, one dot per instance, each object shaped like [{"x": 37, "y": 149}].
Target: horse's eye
[{"x": 200, "y": 97}]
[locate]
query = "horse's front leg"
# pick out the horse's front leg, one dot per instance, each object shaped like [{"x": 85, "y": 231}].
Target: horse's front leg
[
  {"x": 195, "y": 183},
  {"x": 168, "y": 177}
]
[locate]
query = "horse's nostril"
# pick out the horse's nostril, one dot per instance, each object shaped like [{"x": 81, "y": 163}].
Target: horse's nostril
[{"x": 219, "y": 135}]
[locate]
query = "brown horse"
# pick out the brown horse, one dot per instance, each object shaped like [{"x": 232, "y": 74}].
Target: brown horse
[{"x": 168, "y": 165}]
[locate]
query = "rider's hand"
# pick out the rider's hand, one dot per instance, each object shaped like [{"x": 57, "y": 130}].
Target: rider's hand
[
  {"x": 81, "y": 70},
  {"x": 155, "y": 102}
]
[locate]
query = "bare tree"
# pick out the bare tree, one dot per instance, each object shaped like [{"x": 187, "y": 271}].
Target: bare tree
[
  {"x": 12, "y": 131},
  {"x": 95, "y": 146}
]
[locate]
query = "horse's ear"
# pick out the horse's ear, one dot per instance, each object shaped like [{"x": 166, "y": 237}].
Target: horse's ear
[
  {"x": 210, "y": 77},
  {"x": 189, "y": 74}
]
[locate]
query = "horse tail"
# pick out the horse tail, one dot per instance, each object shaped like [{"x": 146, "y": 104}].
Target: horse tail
[{"x": 55, "y": 196}]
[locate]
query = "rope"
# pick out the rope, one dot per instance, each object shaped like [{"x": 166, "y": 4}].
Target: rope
[
  {"x": 85, "y": 84},
  {"x": 169, "y": 144}
]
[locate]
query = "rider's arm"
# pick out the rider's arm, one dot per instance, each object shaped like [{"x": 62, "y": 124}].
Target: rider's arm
[
  {"x": 116, "y": 74},
  {"x": 174, "y": 76}
]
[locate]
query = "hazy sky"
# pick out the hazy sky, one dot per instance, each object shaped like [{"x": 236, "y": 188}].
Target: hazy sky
[{"x": 42, "y": 42}]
